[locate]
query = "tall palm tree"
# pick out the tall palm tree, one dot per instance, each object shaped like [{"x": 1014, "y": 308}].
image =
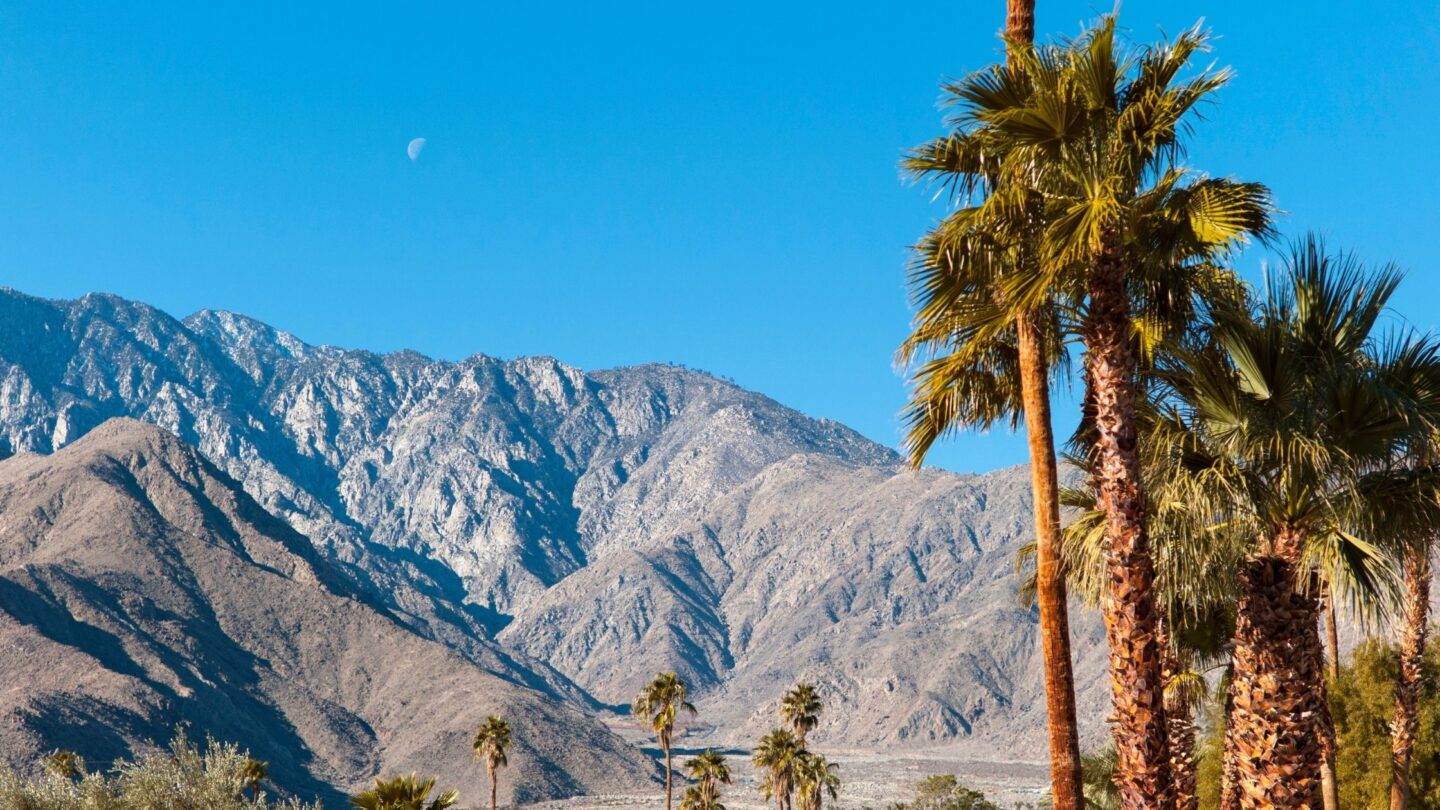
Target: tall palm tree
[
  {"x": 404, "y": 793},
  {"x": 659, "y": 705},
  {"x": 801, "y": 709},
  {"x": 933, "y": 414},
  {"x": 1082, "y": 207},
  {"x": 711, "y": 771},
  {"x": 491, "y": 740},
  {"x": 1282, "y": 435},
  {"x": 778, "y": 753},
  {"x": 814, "y": 778}
]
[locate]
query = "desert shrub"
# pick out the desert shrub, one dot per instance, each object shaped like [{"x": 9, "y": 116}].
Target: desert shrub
[
  {"x": 944, "y": 792},
  {"x": 184, "y": 778}
]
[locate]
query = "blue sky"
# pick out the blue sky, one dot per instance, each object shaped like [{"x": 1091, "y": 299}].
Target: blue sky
[{"x": 709, "y": 184}]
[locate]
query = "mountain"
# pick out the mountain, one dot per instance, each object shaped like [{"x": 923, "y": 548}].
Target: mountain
[
  {"x": 141, "y": 588},
  {"x": 583, "y": 530}
]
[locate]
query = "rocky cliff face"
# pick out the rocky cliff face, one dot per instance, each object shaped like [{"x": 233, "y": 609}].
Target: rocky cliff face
[
  {"x": 140, "y": 588},
  {"x": 587, "y": 529}
]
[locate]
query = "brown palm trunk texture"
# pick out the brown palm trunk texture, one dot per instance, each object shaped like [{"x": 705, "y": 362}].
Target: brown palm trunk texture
[
  {"x": 1412, "y": 663},
  {"x": 1142, "y": 774}
]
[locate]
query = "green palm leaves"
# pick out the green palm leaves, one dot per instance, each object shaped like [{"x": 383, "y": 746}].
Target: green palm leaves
[
  {"x": 801, "y": 709},
  {"x": 404, "y": 793},
  {"x": 710, "y": 771},
  {"x": 491, "y": 741},
  {"x": 778, "y": 754},
  {"x": 815, "y": 778},
  {"x": 659, "y": 705}
]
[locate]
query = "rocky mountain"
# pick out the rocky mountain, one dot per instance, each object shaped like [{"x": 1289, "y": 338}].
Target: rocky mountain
[
  {"x": 141, "y": 588},
  {"x": 579, "y": 531}
]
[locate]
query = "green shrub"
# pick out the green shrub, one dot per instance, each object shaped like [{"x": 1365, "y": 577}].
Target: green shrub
[{"x": 184, "y": 778}]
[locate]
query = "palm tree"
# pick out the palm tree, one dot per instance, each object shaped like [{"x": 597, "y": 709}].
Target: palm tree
[
  {"x": 1282, "y": 436},
  {"x": 694, "y": 799},
  {"x": 253, "y": 772},
  {"x": 658, "y": 704},
  {"x": 814, "y": 778},
  {"x": 777, "y": 754},
  {"x": 801, "y": 709},
  {"x": 404, "y": 793},
  {"x": 711, "y": 771},
  {"x": 65, "y": 764},
  {"x": 1083, "y": 214},
  {"x": 954, "y": 379},
  {"x": 491, "y": 740}
]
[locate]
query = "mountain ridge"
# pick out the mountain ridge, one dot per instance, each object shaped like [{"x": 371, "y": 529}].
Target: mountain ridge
[{"x": 594, "y": 526}]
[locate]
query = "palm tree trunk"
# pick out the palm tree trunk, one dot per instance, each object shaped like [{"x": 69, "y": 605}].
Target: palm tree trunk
[
  {"x": 1229, "y": 778},
  {"x": 1142, "y": 773},
  {"x": 1280, "y": 713},
  {"x": 1179, "y": 731},
  {"x": 1066, "y": 787},
  {"x": 1329, "y": 784},
  {"x": 1050, "y": 593},
  {"x": 1412, "y": 661},
  {"x": 667, "y": 777},
  {"x": 493, "y": 781}
]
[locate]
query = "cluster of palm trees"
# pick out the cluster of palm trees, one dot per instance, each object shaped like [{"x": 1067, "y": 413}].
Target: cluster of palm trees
[
  {"x": 1250, "y": 458},
  {"x": 792, "y": 773}
]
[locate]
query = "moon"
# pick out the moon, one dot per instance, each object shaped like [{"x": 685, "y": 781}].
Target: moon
[{"x": 414, "y": 147}]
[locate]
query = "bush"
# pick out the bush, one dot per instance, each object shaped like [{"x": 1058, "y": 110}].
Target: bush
[
  {"x": 185, "y": 778},
  {"x": 944, "y": 792}
]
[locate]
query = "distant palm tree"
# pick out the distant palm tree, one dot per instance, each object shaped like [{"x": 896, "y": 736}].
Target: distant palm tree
[
  {"x": 694, "y": 799},
  {"x": 658, "y": 704},
  {"x": 777, "y": 754},
  {"x": 815, "y": 777},
  {"x": 65, "y": 764},
  {"x": 491, "y": 740},
  {"x": 711, "y": 771},
  {"x": 404, "y": 793},
  {"x": 801, "y": 709},
  {"x": 252, "y": 774}
]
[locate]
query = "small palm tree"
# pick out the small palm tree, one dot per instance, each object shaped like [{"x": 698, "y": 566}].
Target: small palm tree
[
  {"x": 404, "y": 793},
  {"x": 711, "y": 771},
  {"x": 814, "y": 778},
  {"x": 659, "y": 704},
  {"x": 491, "y": 740},
  {"x": 694, "y": 799},
  {"x": 777, "y": 754},
  {"x": 65, "y": 764},
  {"x": 252, "y": 773},
  {"x": 801, "y": 709}
]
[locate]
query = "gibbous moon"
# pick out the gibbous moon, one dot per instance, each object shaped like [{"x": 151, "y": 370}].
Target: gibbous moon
[{"x": 413, "y": 150}]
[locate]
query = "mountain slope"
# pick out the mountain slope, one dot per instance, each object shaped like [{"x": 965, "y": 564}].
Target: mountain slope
[
  {"x": 139, "y": 587},
  {"x": 574, "y": 531}
]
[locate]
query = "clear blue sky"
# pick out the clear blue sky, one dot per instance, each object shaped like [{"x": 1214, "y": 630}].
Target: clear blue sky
[{"x": 710, "y": 184}]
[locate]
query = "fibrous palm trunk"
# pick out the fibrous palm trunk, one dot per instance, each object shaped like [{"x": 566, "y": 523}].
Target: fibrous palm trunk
[
  {"x": 1229, "y": 779},
  {"x": 493, "y": 781},
  {"x": 1412, "y": 661},
  {"x": 1275, "y": 735},
  {"x": 1142, "y": 774},
  {"x": 1179, "y": 730}
]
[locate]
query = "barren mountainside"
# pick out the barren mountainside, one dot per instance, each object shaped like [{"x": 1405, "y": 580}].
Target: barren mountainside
[
  {"x": 584, "y": 529},
  {"x": 140, "y": 588}
]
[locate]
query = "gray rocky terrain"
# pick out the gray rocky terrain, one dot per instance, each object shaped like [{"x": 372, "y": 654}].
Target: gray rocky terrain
[
  {"x": 142, "y": 588},
  {"x": 577, "y": 531}
]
